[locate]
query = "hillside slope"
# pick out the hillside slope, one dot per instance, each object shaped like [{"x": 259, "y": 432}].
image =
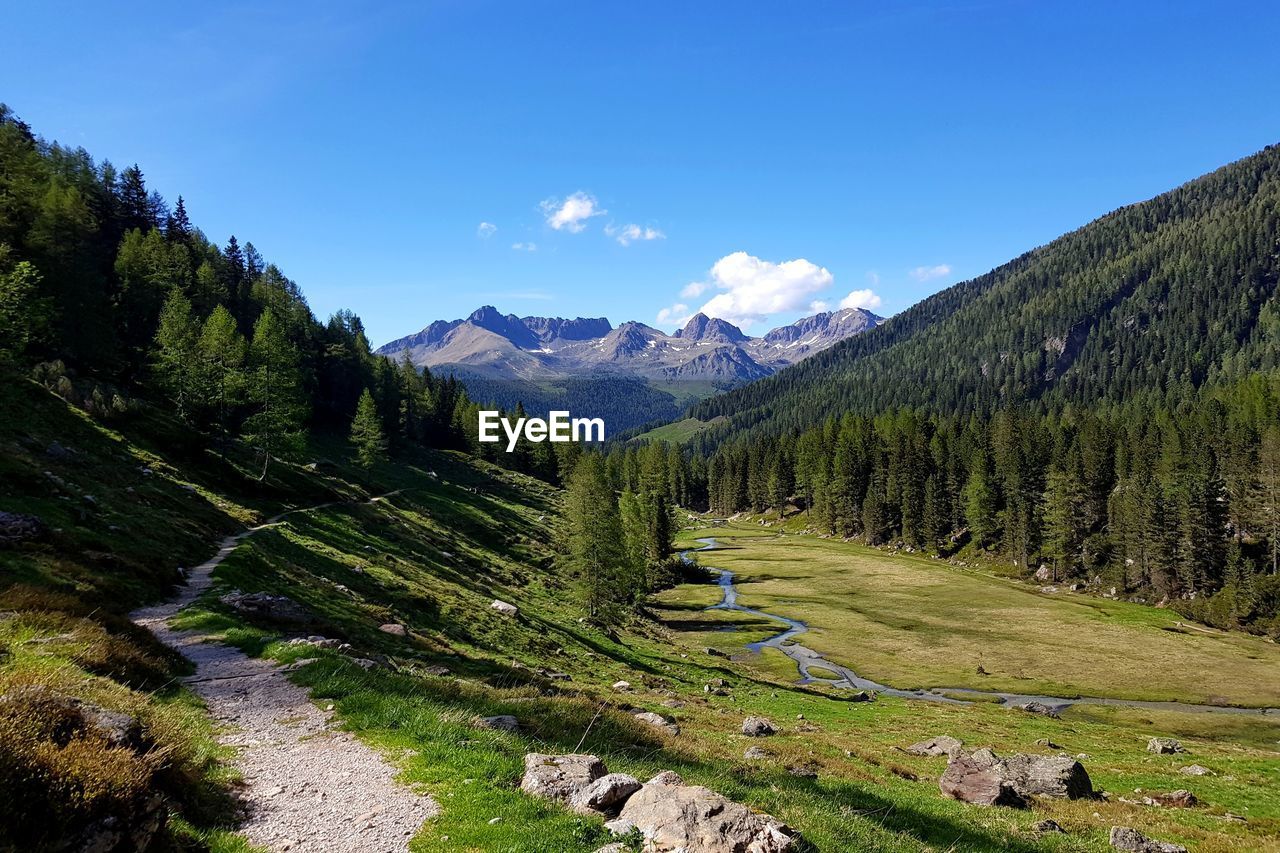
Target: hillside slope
[{"x": 1162, "y": 296}]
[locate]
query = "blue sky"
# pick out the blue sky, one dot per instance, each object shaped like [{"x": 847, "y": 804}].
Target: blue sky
[{"x": 894, "y": 148}]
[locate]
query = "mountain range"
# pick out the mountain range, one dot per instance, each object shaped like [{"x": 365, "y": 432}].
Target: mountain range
[{"x": 505, "y": 347}]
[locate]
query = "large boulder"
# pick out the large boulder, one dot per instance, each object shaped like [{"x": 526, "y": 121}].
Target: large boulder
[
  {"x": 1164, "y": 746},
  {"x": 17, "y": 527},
  {"x": 694, "y": 819},
  {"x": 559, "y": 777},
  {"x": 757, "y": 727},
  {"x": 984, "y": 778},
  {"x": 940, "y": 745},
  {"x": 605, "y": 795},
  {"x": 1132, "y": 841},
  {"x": 505, "y": 608},
  {"x": 266, "y": 607}
]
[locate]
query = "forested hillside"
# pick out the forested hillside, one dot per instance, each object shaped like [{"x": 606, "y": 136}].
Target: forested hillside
[{"x": 1156, "y": 299}]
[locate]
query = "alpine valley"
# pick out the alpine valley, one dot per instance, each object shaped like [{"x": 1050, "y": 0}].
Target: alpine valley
[{"x": 630, "y": 374}]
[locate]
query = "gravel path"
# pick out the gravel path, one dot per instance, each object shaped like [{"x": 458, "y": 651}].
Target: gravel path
[{"x": 308, "y": 786}]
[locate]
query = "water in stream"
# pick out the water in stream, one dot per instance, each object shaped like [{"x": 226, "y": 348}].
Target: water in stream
[{"x": 806, "y": 659}]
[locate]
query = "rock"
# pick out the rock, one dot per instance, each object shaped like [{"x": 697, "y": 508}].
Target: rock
[
  {"x": 605, "y": 795},
  {"x": 803, "y": 771},
  {"x": 559, "y": 676},
  {"x": 500, "y": 723},
  {"x": 1046, "y": 826},
  {"x": 940, "y": 745},
  {"x": 1124, "y": 838},
  {"x": 622, "y": 685},
  {"x": 319, "y": 642},
  {"x": 1179, "y": 799},
  {"x": 670, "y": 778},
  {"x": 984, "y": 778},
  {"x": 267, "y": 607},
  {"x": 65, "y": 716},
  {"x": 18, "y": 527},
  {"x": 717, "y": 682},
  {"x": 863, "y": 696},
  {"x": 1039, "y": 708},
  {"x": 436, "y": 670},
  {"x": 1043, "y": 573},
  {"x": 1195, "y": 770},
  {"x": 755, "y": 753},
  {"x": 715, "y": 653},
  {"x": 1163, "y": 746},
  {"x": 394, "y": 629},
  {"x": 615, "y": 847},
  {"x": 658, "y": 722},
  {"x": 1048, "y": 744},
  {"x": 559, "y": 777},
  {"x": 504, "y": 608},
  {"x": 694, "y": 819},
  {"x": 757, "y": 727}
]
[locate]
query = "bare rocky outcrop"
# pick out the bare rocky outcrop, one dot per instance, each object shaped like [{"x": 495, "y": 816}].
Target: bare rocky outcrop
[
  {"x": 984, "y": 778},
  {"x": 265, "y": 607},
  {"x": 1164, "y": 746},
  {"x": 940, "y": 745},
  {"x": 1132, "y": 841},
  {"x": 605, "y": 795}
]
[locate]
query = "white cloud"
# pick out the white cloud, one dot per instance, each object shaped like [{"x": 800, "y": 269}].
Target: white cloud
[
  {"x": 817, "y": 306},
  {"x": 868, "y": 299},
  {"x": 525, "y": 247},
  {"x": 628, "y": 234},
  {"x": 485, "y": 230},
  {"x": 754, "y": 288},
  {"x": 929, "y": 273},
  {"x": 693, "y": 288},
  {"x": 571, "y": 213},
  {"x": 677, "y": 314}
]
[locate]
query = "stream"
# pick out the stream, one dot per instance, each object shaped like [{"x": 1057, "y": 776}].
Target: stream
[{"x": 806, "y": 659}]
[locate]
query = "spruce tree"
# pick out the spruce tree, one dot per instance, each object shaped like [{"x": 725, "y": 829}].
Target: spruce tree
[{"x": 366, "y": 432}]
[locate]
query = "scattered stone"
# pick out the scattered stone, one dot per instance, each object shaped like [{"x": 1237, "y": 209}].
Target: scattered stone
[
  {"x": 941, "y": 745},
  {"x": 494, "y": 820},
  {"x": 605, "y": 795},
  {"x": 615, "y": 847},
  {"x": 1179, "y": 799},
  {"x": 504, "y": 608},
  {"x": 694, "y": 819},
  {"x": 1039, "y": 708},
  {"x": 670, "y": 778},
  {"x": 1043, "y": 573},
  {"x": 1132, "y": 841},
  {"x": 1164, "y": 746},
  {"x": 715, "y": 653},
  {"x": 318, "y": 642},
  {"x": 559, "y": 676},
  {"x": 394, "y": 629},
  {"x": 267, "y": 607},
  {"x": 658, "y": 722},
  {"x": 1046, "y": 826},
  {"x": 1195, "y": 770},
  {"x": 863, "y": 696},
  {"x": 757, "y": 727},
  {"x": 755, "y": 753},
  {"x": 982, "y": 777},
  {"x": 17, "y": 527},
  {"x": 436, "y": 670},
  {"x": 500, "y": 723},
  {"x": 559, "y": 777},
  {"x": 717, "y": 682},
  {"x": 803, "y": 771},
  {"x": 622, "y": 685}
]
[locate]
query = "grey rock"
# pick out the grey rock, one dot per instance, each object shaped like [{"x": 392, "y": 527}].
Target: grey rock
[
  {"x": 605, "y": 795},
  {"x": 505, "y": 608},
  {"x": 500, "y": 723},
  {"x": 267, "y": 607},
  {"x": 940, "y": 745},
  {"x": 983, "y": 778},
  {"x": 658, "y": 722},
  {"x": 559, "y": 777},
  {"x": 395, "y": 629},
  {"x": 1164, "y": 746},
  {"x": 1195, "y": 770},
  {"x": 1039, "y": 708},
  {"x": 667, "y": 777},
  {"x": 757, "y": 727},
  {"x": 755, "y": 753},
  {"x": 18, "y": 527},
  {"x": 1132, "y": 841},
  {"x": 1046, "y": 826},
  {"x": 863, "y": 696},
  {"x": 694, "y": 819}
]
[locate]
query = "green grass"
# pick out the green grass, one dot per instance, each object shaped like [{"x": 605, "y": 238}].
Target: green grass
[
  {"x": 910, "y": 622},
  {"x": 678, "y": 432}
]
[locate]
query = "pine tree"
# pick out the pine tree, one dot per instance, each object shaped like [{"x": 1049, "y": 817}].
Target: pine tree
[
  {"x": 176, "y": 359},
  {"x": 366, "y": 432},
  {"x": 178, "y": 226},
  {"x": 23, "y": 313},
  {"x": 594, "y": 541},
  {"x": 221, "y": 351},
  {"x": 275, "y": 389}
]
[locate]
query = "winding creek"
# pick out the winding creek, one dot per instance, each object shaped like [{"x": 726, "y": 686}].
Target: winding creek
[{"x": 807, "y": 659}]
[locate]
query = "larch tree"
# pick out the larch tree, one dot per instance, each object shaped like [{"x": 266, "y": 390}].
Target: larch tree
[{"x": 366, "y": 432}]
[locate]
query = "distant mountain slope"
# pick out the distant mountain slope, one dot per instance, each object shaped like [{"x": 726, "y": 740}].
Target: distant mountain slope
[
  {"x": 1164, "y": 295},
  {"x": 507, "y": 347}
]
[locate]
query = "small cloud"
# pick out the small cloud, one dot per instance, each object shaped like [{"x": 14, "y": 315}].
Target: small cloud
[
  {"x": 526, "y": 247},
  {"x": 754, "y": 288},
  {"x": 677, "y": 314},
  {"x": 485, "y": 230},
  {"x": 694, "y": 289},
  {"x": 571, "y": 213},
  {"x": 930, "y": 273},
  {"x": 817, "y": 306},
  {"x": 867, "y": 299},
  {"x": 628, "y": 234}
]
